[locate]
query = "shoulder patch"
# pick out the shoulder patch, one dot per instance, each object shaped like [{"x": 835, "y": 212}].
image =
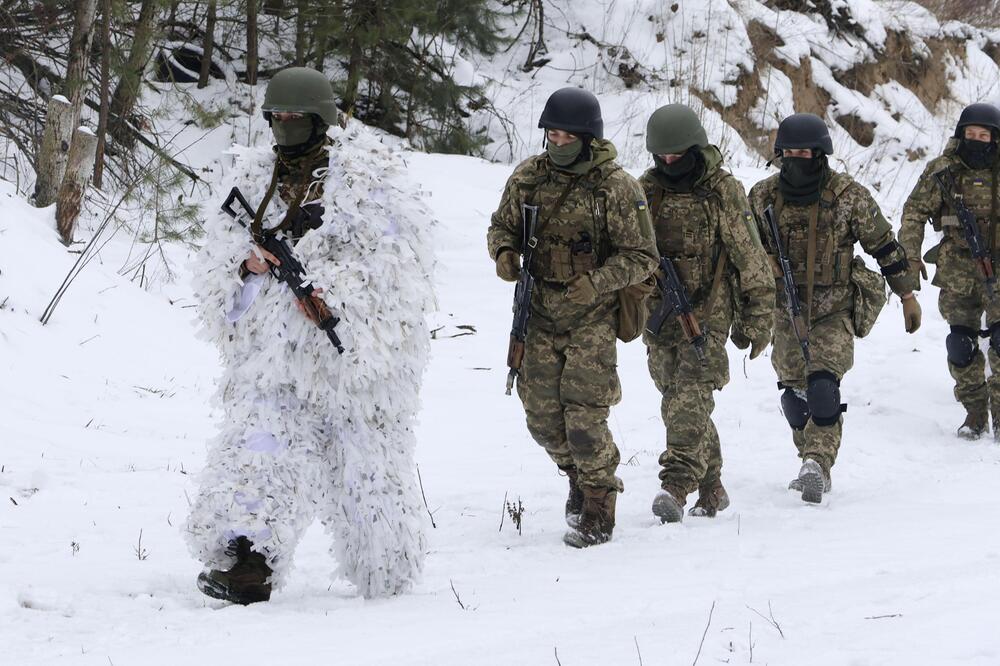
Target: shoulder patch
[{"x": 641, "y": 204}]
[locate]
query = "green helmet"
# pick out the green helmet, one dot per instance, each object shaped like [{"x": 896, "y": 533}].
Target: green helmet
[
  {"x": 301, "y": 90},
  {"x": 672, "y": 129}
]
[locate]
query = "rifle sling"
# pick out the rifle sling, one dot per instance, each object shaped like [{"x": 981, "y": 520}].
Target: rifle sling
[{"x": 720, "y": 267}]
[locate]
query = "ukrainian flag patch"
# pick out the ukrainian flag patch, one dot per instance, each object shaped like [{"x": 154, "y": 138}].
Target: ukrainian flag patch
[{"x": 641, "y": 205}]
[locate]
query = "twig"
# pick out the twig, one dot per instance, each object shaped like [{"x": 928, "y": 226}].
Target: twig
[
  {"x": 882, "y": 617},
  {"x": 421, "y": 482},
  {"x": 556, "y": 651},
  {"x": 503, "y": 510},
  {"x": 750, "y": 641},
  {"x": 704, "y": 634},
  {"x": 770, "y": 620},
  {"x": 455, "y": 592},
  {"x": 637, "y": 649}
]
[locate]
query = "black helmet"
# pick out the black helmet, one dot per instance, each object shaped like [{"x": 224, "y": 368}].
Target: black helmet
[
  {"x": 985, "y": 115},
  {"x": 573, "y": 110},
  {"x": 803, "y": 130}
]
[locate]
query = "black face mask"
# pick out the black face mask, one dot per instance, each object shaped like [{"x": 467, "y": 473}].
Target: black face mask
[
  {"x": 682, "y": 174},
  {"x": 801, "y": 178},
  {"x": 977, "y": 154}
]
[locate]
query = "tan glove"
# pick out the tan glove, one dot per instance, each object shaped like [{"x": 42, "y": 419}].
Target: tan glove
[
  {"x": 911, "y": 312},
  {"x": 508, "y": 265},
  {"x": 580, "y": 290},
  {"x": 757, "y": 341}
]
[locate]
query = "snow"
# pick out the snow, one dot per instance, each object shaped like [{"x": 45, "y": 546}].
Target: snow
[
  {"x": 102, "y": 436},
  {"x": 106, "y": 416}
]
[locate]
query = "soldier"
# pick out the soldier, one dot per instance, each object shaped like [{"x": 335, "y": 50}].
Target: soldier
[
  {"x": 594, "y": 238},
  {"x": 821, "y": 214},
  {"x": 969, "y": 168},
  {"x": 309, "y": 431},
  {"x": 703, "y": 224}
]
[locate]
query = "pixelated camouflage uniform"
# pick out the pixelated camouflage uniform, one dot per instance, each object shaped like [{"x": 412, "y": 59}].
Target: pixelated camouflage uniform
[
  {"x": 846, "y": 214},
  {"x": 569, "y": 377},
  {"x": 963, "y": 299},
  {"x": 692, "y": 229}
]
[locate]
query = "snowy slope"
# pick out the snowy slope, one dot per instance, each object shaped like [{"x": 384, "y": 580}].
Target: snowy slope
[{"x": 100, "y": 437}]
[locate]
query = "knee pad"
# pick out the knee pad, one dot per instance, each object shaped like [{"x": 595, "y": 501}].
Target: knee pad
[
  {"x": 961, "y": 345},
  {"x": 994, "y": 332},
  {"x": 823, "y": 398},
  {"x": 794, "y": 407}
]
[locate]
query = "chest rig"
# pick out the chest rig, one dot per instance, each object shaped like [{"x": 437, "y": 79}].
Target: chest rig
[
  {"x": 978, "y": 191},
  {"x": 819, "y": 247},
  {"x": 297, "y": 182},
  {"x": 687, "y": 232},
  {"x": 572, "y": 230}
]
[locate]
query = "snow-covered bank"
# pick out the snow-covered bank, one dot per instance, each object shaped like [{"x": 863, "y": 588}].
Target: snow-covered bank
[{"x": 900, "y": 565}]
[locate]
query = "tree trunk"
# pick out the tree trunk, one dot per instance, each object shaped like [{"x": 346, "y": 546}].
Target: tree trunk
[
  {"x": 102, "y": 117},
  {"x": 207, "y": 46},
  {"x": 300, "y": 33},
  {"x": 79, "y": 55},
  {"x": 56, "y": 137},
  {"x": 78, "y": 169},
  {"x": 130, "y": 85},
  {"x": 252, "y": 42}
]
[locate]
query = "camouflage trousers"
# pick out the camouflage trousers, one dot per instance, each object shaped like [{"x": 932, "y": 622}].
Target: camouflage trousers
[
  {"x": 972, "y": 388},
  {"x": 568, "y": 383},
  {"x": 693, "y": 454},
  {"x": 831, "y": 348}
]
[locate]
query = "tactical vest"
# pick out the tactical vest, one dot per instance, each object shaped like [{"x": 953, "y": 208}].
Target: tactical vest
[
  {"x": 572, "y": 226},
  {"x": 833, "y": 248},
  {"x": 687, "y": 232},
  {"x": 979, "y": 193}
]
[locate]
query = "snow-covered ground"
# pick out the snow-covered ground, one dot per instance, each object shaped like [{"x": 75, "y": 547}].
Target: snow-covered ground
[{"x": 105, "y": 414}]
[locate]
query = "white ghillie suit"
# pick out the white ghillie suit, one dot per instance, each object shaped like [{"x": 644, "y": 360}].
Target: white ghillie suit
[{"x": 308, "y": 432}]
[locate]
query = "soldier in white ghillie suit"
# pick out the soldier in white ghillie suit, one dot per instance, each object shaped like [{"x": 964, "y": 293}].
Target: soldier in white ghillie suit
[{"x": 308, "y": 431}]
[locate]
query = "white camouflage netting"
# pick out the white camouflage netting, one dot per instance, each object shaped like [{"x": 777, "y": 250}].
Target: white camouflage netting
[{"x": 306, "y": 432}]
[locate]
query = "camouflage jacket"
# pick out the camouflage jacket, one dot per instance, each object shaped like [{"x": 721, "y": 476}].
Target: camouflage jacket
[
  {"x": 693, "y": 228},
  {"x": 978, "y": 190},
  {"x": 602, "y": 229},
  {"x": 847, "y": 214}
]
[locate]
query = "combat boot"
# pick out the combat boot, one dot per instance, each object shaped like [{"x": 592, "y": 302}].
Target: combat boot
[
  {"x": 976, "y": 423},
  {"x": 668, "y": 505},
  {"x": 574, "y": 502},
  {"x": 712, "y": 498},
  {"x": 245, "y": 583},
  {"x": 597, "y": 519},
  {"x": 812, "y": 482}
]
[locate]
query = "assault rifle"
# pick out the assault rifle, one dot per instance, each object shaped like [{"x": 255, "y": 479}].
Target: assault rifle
[
  {"x": 290, "y": 271},
  {"x": 792, "y": 304},
  {"x": 970, "y": 226},
  {"x": 675, "y": 302},
  {"x": 522, "y": 295}
]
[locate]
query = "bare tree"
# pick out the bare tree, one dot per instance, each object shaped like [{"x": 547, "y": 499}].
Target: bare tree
[
  {"x": 105, "y": 92},
  {"x": 130, "y": 85},
  {"x": 207, "y": 45},
  {"x": 252, "y": 42},
  {"x": 63, "y": 120}
]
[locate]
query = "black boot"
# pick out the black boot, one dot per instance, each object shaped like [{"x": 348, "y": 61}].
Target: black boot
[
  {"x": 574, "y": 502},
  {"x": 245, "y": 583}
]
